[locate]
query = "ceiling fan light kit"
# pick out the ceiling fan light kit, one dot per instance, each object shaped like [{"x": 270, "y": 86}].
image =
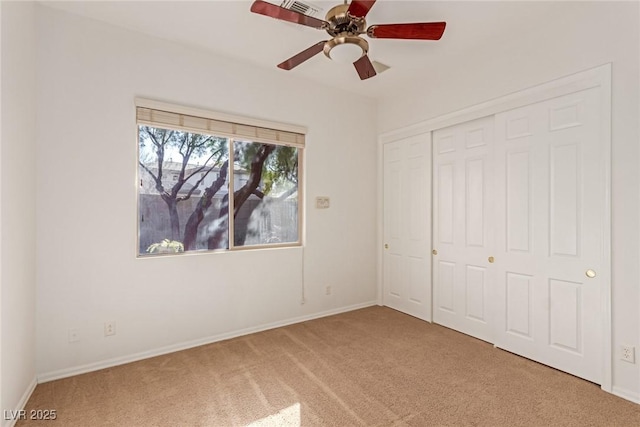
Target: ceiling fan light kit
[
  {"x": 345, "y": 24},
  {"x": 346, "y": 49}
]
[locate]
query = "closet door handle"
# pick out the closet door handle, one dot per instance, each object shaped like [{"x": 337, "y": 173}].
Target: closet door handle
[{"x": 491, "y": 259}]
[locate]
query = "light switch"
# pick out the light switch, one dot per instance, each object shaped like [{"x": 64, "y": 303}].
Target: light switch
[{"x": 322, "y": 203}]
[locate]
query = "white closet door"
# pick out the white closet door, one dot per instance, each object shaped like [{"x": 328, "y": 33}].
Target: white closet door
[
  {"x": 550, "y": 207},
  {"x": 407, "y": 220},
  {"x": 462, "y": 235}
]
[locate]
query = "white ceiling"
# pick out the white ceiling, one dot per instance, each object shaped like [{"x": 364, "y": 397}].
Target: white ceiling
[{"x": 229, "y": 29}]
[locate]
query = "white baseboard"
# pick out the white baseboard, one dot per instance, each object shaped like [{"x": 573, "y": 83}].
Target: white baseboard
[
  {"x": 77, "y": 370},
  {"x": 626, "y": 394},
  {"x": 21, "y": 404}
]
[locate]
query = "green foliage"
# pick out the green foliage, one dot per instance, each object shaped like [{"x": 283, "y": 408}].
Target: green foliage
[
  {"x": 212, "y": 150},
  {"x": 280, "y": 168},
  {"x": 166, "y": 247}
]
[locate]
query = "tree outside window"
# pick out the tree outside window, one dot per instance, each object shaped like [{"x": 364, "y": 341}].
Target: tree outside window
[{"x": 184, "y": 194}]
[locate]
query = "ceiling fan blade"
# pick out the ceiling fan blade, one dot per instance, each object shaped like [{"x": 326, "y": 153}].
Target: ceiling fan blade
[
  {"x": 360, "y": 8},
  {"x": 298, "y": 59},
  {"x": 364, "y": 67},
  {"x": 268, "y": 9},
  {"x": 418, "y": 31}
]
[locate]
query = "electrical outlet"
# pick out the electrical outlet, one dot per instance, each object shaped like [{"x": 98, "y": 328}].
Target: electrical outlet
[
  {"x": 628, "y": 354},
  {"x": 327, "y": 290},
  {"x": 74, "y": 335},
  {"x": 109, "y": 328}
]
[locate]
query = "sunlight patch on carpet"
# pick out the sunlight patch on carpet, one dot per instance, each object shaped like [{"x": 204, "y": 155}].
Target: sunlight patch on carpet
[{"x": 289, "y": 417}]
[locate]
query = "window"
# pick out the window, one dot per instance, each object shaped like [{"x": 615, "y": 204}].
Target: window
[{"x": 190, "y": 161}]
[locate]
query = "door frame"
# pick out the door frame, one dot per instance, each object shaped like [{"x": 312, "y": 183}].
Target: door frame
[{"x": 598, "y": 77}]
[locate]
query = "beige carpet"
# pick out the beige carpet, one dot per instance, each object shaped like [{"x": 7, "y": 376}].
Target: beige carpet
[{"x": 372, "y": 367}]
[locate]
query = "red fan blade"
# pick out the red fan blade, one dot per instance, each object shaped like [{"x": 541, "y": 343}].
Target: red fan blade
[
  {"x": 419, "y": 31},
  {"x": 364, "y": 67},
  {"x": 298, "y": 59},
  {"x": 268, "y": 9},
  {"x": 360, "y": 8}
]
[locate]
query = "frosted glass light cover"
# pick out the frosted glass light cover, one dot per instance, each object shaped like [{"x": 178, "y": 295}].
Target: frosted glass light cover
[{"x": 346, "y": 53}]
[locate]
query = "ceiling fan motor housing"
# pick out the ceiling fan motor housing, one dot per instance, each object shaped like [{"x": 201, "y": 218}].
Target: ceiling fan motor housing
[
  {"x": 345, "y": 30},
  {"x": 341, "y": 22}
]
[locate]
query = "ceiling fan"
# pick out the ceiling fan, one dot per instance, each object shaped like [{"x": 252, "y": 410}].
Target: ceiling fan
[{"x": 345, "y": 24}]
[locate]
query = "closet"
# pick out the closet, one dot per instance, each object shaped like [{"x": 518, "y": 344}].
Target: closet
[
  {"x": 407, "y": 224},
  {"x": 519, "y": 233}
]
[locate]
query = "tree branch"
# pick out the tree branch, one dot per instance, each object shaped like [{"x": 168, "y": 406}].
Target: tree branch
[
  {"x": 196, "y": 171},
  {"x": 191, "y": 227},
  {"x": 255, "y": 174},
  {"x": 155, "y": 178},
  {"x": 184, "y": 140},
  {"x": 199, "y": 169},
  {"x": 151, "y": 135}
]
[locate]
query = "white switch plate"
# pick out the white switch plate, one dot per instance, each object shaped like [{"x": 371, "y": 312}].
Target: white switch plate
[{"x": 322, "y": 202}]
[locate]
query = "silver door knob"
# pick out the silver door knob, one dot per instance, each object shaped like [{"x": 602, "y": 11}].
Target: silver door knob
[{"x": 590, "y": 273}]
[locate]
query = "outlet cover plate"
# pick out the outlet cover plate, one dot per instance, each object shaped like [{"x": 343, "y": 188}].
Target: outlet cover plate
[
  {"x": 628, "y": 354},
  {"x": 109, "y": 328}
]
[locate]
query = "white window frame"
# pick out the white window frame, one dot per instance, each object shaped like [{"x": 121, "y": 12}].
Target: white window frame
[{"x": 292, "y": 135}]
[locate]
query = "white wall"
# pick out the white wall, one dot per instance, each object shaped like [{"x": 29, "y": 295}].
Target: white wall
[
  {"x": 87, "y": 272},
  {"x": 89, "y": 74},
  {"x": 17, "y": 201},
  {"x": 577, "y": 36}
]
